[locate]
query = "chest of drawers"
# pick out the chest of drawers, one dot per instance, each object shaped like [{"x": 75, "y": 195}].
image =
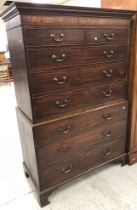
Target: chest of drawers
[{"x": 70, "y": 68}]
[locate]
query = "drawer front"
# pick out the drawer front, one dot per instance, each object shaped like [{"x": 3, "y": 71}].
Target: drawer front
[
  {"x": 95, "y": 36},
  {"x": 60, "y": 104},
  {"x": 67, "y": 148},
  {"x": 57, "y": 37},
  {"x": 65, "y": 170},
  {"x": 43, "y": 82},
  {"x": 106, "y": 53},
  {"x": 51, "y": 57},
  {"x": 56, "y": 57},
  {"x": 66, "y": 128}
]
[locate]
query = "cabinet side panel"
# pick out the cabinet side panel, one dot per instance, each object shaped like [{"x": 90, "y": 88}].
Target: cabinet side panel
[
  {"x": 18, "y": 61},
  {"x": 27, "y": 144}
]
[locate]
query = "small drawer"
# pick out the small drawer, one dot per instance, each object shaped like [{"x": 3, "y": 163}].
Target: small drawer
[
  {"x": 62, "y": 79},
  {"x": 68, "y": 102},
  {"x": 106, "y": 53},
  {"x": 55, "y": 36},
  {"x": 66, "y": 128},
  {"x": 97, "y": 36},
  {"x": 66, "y": 169},
  {"x": 46, "y": 58},
  {"x": 67, "y": 148}
]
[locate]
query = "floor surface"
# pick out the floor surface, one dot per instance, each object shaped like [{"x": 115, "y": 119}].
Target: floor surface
[{"x": 109, "y": 188}]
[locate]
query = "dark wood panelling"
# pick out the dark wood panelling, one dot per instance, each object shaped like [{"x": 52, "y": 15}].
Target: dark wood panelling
[
  {"x": 27, "y": 143},
  {"x": 19, "y": 69}
]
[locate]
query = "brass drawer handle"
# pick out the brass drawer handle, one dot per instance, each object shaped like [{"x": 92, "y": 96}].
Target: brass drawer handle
[
  {"x": 64, "y": 148},
  {"x": 109, "y": 36},
  {"x": 62, "y": 104},
  {"x": 109, "y": 54},
  {"x": 108, "y": 152},
  {"x": 60, "y": 81},
  {"x": 108, "y": 73},
  {"x": 107, "y": 93},
  {"x": 57, "y": 38},
  {"x": 60, "y": 58},
  {"x": 65, "y": 130},
  {"x": 107, "y": 132},
  {"x": 107, "y": 116},
  {"x": 67, "y": 169}
]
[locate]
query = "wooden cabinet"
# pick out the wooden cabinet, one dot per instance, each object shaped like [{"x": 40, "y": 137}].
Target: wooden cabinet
[
  {"x": 119, "y": 4},
  {"x": 73, "y": 89},
  {"x": 132, "y": 133}
]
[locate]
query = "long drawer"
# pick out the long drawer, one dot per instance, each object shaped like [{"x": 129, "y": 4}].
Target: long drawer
[
  {"x": 56, "y": 57},
  {"x": 66, "y": 128},
  {"x": 47, "y": 82},
  {"x": 39, "y": 36},
  {"x": 65, "y": 170},
  {"x": 60, "y": 104},
  {"x": 67, "y": 148}
]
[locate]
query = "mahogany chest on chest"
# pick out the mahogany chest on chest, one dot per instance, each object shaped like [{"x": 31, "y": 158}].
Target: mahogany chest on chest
[{"x": 70, "y": 68}]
